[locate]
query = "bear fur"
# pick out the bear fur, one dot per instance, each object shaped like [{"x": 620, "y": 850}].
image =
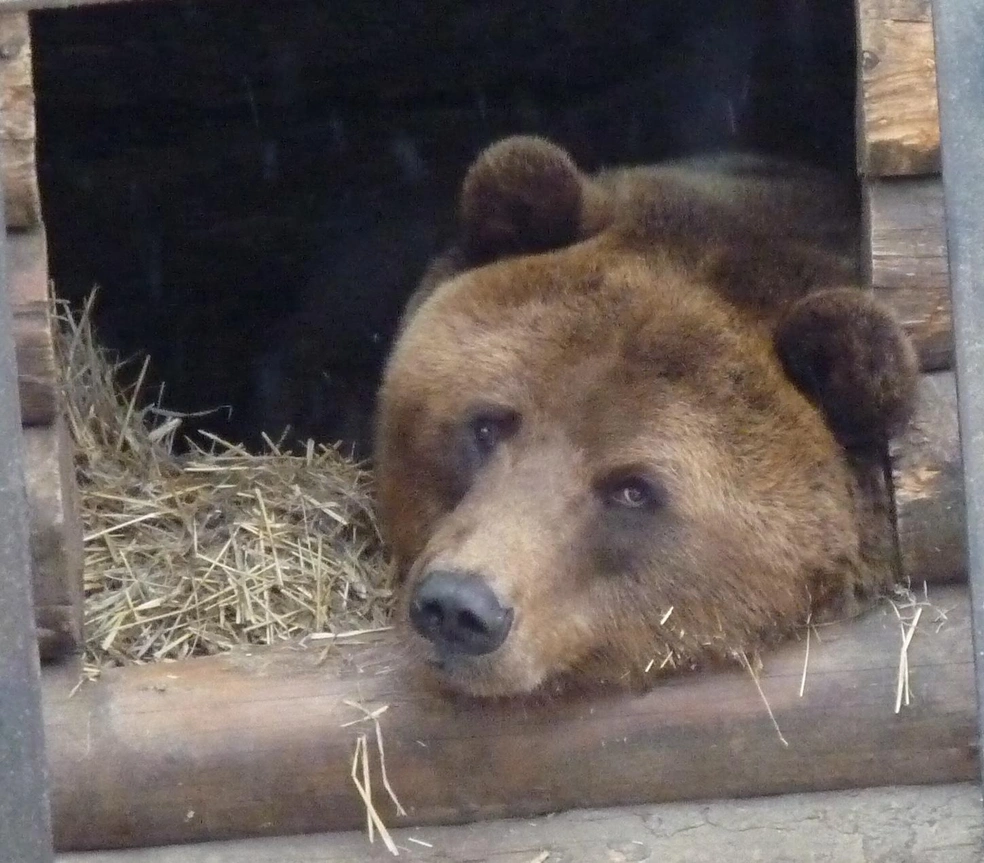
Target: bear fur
[{"x": 636, "y": 421}]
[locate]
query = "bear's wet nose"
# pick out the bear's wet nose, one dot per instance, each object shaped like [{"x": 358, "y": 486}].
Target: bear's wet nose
[{"x": 459, "y": 613}]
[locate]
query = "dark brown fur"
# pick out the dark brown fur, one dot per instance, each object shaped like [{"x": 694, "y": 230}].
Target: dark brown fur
[{"x": 696, "y": 327}]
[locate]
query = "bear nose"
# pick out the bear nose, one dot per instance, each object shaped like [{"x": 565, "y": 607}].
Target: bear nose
[{"x": 459, "y": 612}]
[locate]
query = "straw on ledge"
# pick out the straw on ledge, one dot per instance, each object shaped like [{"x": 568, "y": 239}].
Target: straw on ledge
[{"x": 196, "y": 553}]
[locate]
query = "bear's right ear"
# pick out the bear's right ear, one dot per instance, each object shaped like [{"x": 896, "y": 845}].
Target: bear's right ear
[{"x": 523, "y": 195}]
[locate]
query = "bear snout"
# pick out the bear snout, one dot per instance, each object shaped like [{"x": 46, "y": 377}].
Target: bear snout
[{"x": 459, "y": 613}]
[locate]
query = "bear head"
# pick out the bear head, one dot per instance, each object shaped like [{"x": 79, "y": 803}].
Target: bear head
[{"x": 635, "y": 421}]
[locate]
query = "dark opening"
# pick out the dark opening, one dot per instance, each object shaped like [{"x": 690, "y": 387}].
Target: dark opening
[{"x": 255, "y": 187}]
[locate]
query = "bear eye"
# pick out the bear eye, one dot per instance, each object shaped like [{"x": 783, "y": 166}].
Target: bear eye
[
  {"x": 632, "y": 495},
  {"x": 633, "y": 492},
  {"x": 490, "y": 428},
  {"x": 486, "y": 435}
]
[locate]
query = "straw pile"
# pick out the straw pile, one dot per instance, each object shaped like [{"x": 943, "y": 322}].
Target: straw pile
[{"x": 196, "y": 553}]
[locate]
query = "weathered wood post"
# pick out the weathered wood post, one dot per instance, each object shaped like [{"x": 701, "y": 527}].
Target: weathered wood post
[
  {"x": 25, "y": 820},
  {"x": 959, "y": 39}
]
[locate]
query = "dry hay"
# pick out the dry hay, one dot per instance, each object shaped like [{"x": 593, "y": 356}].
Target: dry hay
[{"x": 196, "y": 553}]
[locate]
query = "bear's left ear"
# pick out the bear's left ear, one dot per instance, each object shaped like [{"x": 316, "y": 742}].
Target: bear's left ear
[
  {"x": 524, "y": 195},
  {"x": 849, "y": 356}
]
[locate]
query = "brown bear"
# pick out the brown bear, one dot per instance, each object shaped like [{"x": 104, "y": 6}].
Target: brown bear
[{"x": 636, "y": 421}]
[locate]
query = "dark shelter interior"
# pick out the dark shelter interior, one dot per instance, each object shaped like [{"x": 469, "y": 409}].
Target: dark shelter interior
[{"x": 255, "y": 187}]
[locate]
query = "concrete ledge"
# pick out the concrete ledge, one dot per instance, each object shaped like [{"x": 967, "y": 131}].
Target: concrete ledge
[{"x": 931, "y": 824}]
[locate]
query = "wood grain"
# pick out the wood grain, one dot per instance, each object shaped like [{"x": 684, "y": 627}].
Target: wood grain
[
  {"x": 55, "y": 537},
  {"x": 37, "y": 370},
  {"x": 906, "y": 261},
  {"x": 898, "y": 111},
  {"x": 22, "y": 197},
  {"x": 896, "y": 10},
  {"x": 927, "y": 477},
  {"x": 254, "y": 743}
]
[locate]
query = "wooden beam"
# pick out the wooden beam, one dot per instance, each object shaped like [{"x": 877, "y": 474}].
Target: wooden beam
[
  {"x": 56, "y": 539},
  {"x": 906, "y": 261},
  {"x": 259, "y": 742},
  {"x": 22, "y": 197},
  {"x": 37, "y": 369},
  {"x": 928, "y": 488},
  {"x": 898, "y": 113}
]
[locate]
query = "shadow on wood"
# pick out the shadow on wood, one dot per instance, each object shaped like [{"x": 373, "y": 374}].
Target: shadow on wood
[
  {"x": 56, "y": 539},
  {"x": 906, "y": 261},
  {"x": 927, "y": 477},
  {"x": 254, "y": 743},
  {"x": 37, "y": 368}
]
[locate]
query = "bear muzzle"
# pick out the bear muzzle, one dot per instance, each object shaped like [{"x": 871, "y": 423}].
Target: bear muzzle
[{"x": 459, "y": 613}]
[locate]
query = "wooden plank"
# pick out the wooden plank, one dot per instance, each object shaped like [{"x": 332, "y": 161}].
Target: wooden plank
[
  {"x": 844, "y": 826},
  {"x": 927, "y": 476},
  {"x": 906, "y": 261},
  {"x": 37, "y": 369},
  {"x": 898, "y": 112},
  {"x": 17, "y": 124},
  {"x": 896, "y": 10},
  {"x": 56, "y": 534},
  {"x": 255, "y": 743},
  {"x": 56, "y": 539}
]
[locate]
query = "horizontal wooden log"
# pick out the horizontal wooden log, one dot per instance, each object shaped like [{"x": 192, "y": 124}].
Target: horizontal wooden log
[
  {"x": 927, "y": 476},
  {"x": 906, "y": 261},
  {"x": 17, "y": 124},
  {"x": 898, "y": 123},
  {"x": 893, "y": 824},
  {"x": 258, "y": 742},
  {"x": 56, "y": 539},
  {"x": 37, "y": 369}
]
